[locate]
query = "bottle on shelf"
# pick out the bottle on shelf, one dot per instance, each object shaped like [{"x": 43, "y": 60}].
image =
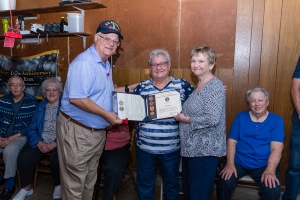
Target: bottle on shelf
[
  {"x": 17, "y": 25},
  {"x": 21, "y": 23},
  {"x": 5, "y": 24},
  {"x": 63, "y": 25}
]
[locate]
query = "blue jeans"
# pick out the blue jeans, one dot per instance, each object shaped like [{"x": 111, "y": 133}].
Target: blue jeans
[
  {"x": 198, "y": 175},
  {"x": 292, "y": 176},
  {"x": 146, "y": 174},
  {"x": 225, "y": 188}
]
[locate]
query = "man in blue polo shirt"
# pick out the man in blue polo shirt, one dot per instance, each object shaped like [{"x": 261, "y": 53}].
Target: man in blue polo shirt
[
  {"x": 86, "y": 112},
  {"x": 292, "y": 176}
]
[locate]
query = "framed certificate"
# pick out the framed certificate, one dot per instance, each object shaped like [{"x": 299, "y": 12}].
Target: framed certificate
[{"x": 147, "y": 107}]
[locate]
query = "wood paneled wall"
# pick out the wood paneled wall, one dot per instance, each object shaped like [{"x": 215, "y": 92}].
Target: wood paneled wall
[
  {"x": 256, "y": 41},
  {"x": 266, "y": 52}
]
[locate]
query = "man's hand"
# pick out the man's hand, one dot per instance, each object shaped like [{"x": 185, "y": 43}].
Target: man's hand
[
  {"x": 270, "y": 179},
  {"x": 227, "y": 172},
  {"x": 2, "y": 142},
  {"x": 5, "y": 141},
  {"x": 112, "y": 119}
]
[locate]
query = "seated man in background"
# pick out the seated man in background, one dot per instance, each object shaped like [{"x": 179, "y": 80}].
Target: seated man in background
[
  {"x": 254, "y": 148},
  {"x": 116, "y": 156},
  {"x": 16, "y": 111}
]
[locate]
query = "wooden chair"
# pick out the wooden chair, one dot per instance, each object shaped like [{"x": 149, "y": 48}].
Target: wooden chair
[
  {"x": 2, "y": 168},
  {"x": 247, "y": 181},
  {"x": 43, "y": 166}
]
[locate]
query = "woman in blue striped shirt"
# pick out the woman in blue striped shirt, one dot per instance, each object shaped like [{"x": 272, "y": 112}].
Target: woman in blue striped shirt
[{"x": 158, "y": 141}]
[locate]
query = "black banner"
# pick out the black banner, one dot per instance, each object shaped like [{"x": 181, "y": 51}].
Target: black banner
[{"x": 34, "y": 70}]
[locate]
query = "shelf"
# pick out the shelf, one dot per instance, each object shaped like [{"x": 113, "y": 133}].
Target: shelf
[
  {"x": 83, "y": 34},
  {"x": 53, "y": 9}
]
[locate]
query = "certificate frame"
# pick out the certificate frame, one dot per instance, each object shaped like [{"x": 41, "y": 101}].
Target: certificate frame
[{"x": 147, "y": 108}]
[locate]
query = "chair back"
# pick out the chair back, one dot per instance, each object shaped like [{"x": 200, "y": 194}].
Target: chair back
[{"x": 132, "y": 137}]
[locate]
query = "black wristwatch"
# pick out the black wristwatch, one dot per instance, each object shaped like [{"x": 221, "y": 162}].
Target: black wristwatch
[{"x": 126, "y": 89}]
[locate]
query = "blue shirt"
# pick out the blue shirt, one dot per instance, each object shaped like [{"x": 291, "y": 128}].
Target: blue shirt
[
  {"x": 161, "y": 136},
  {"x": 88, "y": 77},
  {"x": 296, "y": 74},
  {"x": 254, "y": 139}
]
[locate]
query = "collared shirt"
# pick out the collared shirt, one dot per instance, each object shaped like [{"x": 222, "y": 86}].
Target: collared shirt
[{"x": 88, "y": 77}]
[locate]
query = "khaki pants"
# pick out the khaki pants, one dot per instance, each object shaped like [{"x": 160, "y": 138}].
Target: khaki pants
[{"x": 79, "y": 150}]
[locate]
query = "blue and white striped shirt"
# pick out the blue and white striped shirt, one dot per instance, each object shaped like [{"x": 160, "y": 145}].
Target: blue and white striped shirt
[{"x": 161, "y": 136}]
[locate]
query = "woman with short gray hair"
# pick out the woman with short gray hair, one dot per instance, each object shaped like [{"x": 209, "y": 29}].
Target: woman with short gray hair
[
  {"x": 157, "y": 141},
  {"x": 254, "y": 148},
  {"x": 257, "y": 89}
]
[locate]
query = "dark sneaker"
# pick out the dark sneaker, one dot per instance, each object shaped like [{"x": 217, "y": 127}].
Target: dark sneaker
[
  {"x": 47, "y": 28},
  {"x": 7, "y": 193},
  {"x": 55, "y": 27}
]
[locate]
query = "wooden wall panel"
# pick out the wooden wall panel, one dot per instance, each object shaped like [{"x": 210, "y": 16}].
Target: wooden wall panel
[
  {"x": 256, "y": 40},
  {"x": 211, "y": 23},
  {"x": 242, "y": 54},
  {"x": 270, "y": 44},
  {"x": 146, "y": 25},
  {"x": 226, "y": 76}
]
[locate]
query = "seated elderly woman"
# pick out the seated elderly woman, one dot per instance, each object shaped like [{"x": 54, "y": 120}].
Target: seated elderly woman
[
  {"x": 41, "y": 139},
  {"x": 254, "y": 148}
]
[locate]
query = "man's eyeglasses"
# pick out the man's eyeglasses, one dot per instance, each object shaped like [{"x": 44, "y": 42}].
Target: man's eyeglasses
[
  {"x": 161, "y": 65},
  {"x": 16, "y": 85},
  {"x": 108, "y": 40}
]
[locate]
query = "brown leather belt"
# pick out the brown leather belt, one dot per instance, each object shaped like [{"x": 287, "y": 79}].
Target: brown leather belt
[{"x": 80, "y": 124}]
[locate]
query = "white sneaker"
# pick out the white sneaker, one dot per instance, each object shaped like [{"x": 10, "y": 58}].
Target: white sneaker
[
  {"x": 57, "y": 192},
  {"x": 22, "y": 194}
]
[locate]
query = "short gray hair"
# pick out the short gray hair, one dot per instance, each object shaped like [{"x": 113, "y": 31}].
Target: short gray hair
[
  {"x": 15, "y": 76},
  {"x": 257, "y": 89},
  {"x": 49, "y": 81},
  {"x": 157, "y": 52}
]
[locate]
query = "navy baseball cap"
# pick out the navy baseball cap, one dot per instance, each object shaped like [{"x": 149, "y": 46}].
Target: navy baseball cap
[{"x": 109, "y": 26}]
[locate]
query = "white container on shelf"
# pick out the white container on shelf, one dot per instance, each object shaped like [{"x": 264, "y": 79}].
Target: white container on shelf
[
  {"x": 75, "y": 22},
  {"x": 4, "y": 4}
]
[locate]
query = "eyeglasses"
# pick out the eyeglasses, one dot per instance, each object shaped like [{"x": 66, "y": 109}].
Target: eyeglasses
[
  {"x": 16, "y": 85},
  {"x": 51, "y": 90},
  {"x": 108, "y": 40},
  {"x": 161, "y": 65}
]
